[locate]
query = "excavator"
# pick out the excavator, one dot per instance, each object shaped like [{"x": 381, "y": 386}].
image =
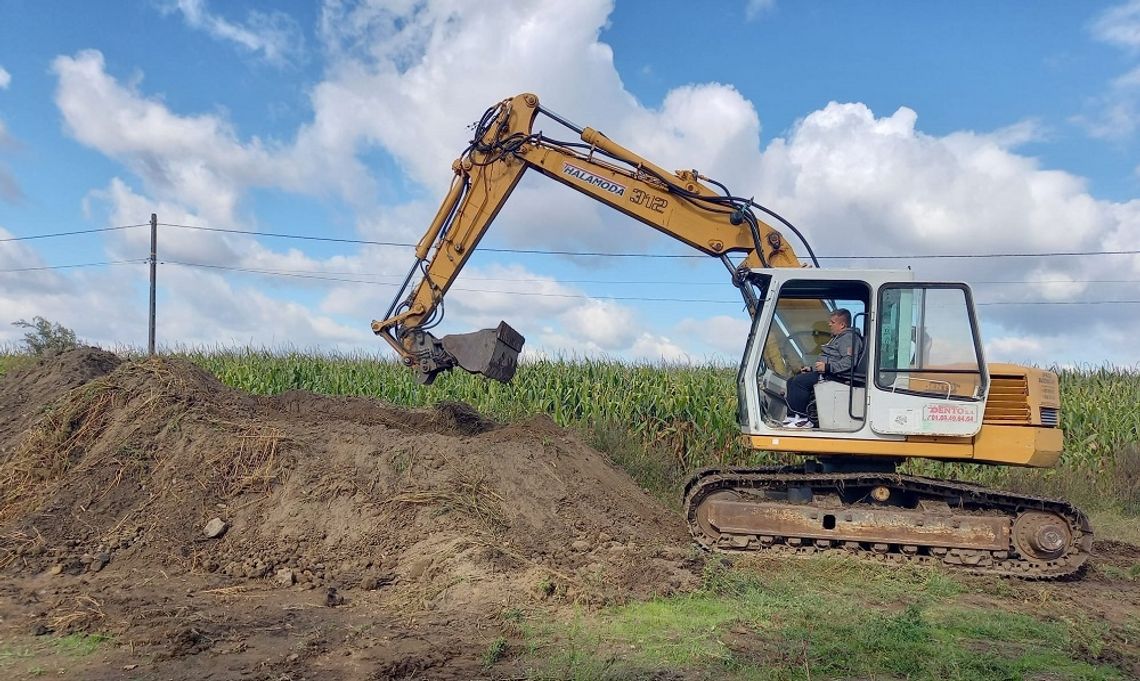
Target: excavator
[{"x": 920, "y": 387}]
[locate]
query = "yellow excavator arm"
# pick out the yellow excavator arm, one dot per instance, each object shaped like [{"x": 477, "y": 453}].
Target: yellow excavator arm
[{"x": 504, "y": 146}]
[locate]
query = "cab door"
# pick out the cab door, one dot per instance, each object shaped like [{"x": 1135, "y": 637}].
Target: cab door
[{"x": 929, "y": 376}]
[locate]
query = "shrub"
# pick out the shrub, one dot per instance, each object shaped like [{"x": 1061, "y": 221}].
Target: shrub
[{"x": 43, "y": 336}]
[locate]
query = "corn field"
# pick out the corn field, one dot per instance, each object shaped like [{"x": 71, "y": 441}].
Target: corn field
[{"x": 682, "y": 416}]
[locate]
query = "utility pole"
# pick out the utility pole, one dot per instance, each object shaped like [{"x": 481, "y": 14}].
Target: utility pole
[{"x": 153, "y": 268}]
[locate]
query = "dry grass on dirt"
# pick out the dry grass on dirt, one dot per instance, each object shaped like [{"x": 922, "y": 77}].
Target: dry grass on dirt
[{"x": 110, "y": 470}]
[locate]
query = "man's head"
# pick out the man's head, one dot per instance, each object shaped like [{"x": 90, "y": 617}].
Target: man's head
[{"x": 839, "y": 320}]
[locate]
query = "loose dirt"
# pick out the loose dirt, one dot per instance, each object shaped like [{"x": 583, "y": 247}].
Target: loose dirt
[
  {"x": 419, "y": 526},
  {"x": 351, "y": 539}
]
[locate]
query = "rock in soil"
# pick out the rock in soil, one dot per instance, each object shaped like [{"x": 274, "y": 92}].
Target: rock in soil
[{"x": 215, "y": 528}]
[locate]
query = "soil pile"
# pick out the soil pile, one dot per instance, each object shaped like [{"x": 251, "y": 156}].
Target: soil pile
[{"x": 109, "y": 466}]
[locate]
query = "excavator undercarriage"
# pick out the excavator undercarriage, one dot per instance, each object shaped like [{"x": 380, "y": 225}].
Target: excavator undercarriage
[{"x": 886, "y": 516}]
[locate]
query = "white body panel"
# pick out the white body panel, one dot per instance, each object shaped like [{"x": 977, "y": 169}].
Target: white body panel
[
  {"x": 836, "y": 404},
  {"x": 899, "y": 414}
]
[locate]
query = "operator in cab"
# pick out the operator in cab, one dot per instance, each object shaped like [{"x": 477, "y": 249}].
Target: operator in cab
[{"x": 836, "y": 358}]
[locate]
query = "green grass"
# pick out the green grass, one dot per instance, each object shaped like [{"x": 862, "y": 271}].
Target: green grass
[
  {"x": 80, "y": 645},
  {"x": 817, "y": 619},
  {"x": 1115, "y": 523},
  {"x": 495, "y": 651},
  {"x": 10, "y": 653},
  {"x": 10, "y": 361}
]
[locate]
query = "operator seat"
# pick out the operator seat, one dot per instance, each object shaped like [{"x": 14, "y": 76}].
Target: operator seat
[{"x": 841, "y": 399}]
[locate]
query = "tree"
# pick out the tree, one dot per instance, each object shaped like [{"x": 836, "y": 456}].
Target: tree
[{"x": 44, "y": 336}]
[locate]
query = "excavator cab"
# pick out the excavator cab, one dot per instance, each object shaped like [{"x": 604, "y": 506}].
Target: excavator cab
[{"x": 919, "y": 372}]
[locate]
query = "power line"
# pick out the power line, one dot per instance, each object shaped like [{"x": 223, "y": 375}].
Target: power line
[
  {"x": 329, "y": 275},
  {"x": 278, "y": 273},
  {"x": 279, "y": 235},
  {"x": 601, "y": 254},
  {"x": 1053, "y": 254},
  {"x": 588, "y": 297},
  {"x": 1062, "y": 281},
  {"x": 537, "y": 251},
  {"x": 76, "y": 265},
  {"x": 73, "y": 233},
  {"x": 629, "y": 282},
  {"x": 1063, "y": 302},
  {"x": 467, "y": 290}
]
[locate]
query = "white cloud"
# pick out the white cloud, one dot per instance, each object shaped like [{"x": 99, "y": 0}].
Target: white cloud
[
  {"x": 478, "y": 303},
  {"x": 1115, "y": 115},
  {"x": 754, "y": 9},
  {"x": 78, "y": 299},
  {"x": 195, "y": 160},
  {"x": 244, "y": 315},
  {"x": 881, "y": 183},
  {"x": 711, "y": 127},
  {"x": 605, "y": 323},
  {"x": 1022, "y": 132},
  {"x": 723, "y": 333},
  {"x": 1128, "y": 81},
  {"x": 1119, "y": 25},
  {"x": 1014, "y": 348},
  {"x": 861, "y": 184},
  {"x": 9, "y": 189},
  {"x": 274, "y": 35},
  {"x": 652, "y": 348},
  {"x": 1056, "y": 285},
  {"x": 411, "y": 76}
]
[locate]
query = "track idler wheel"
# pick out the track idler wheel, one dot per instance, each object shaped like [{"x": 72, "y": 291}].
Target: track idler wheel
[
  {"x": 711, "y": 534},
  {"x": 1041, "y": 535}
]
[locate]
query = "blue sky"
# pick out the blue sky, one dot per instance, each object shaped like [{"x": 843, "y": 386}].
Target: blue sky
[{"x": 887, "y": 128}]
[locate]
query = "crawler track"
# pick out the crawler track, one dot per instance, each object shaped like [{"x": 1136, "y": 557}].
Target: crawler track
[{"x": 963, "y": 526}]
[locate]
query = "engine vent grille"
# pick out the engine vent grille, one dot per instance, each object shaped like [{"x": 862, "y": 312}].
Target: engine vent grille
[
  {"x": 1008, "y": 401},
  {"x": 1049, "y": 417}
]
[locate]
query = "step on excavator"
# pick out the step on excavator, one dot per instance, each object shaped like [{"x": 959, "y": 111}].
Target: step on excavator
[{"x": 919, "y": 387}]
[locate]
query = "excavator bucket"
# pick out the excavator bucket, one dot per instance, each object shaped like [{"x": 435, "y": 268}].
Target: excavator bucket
[{"x": 493, "y": 353}]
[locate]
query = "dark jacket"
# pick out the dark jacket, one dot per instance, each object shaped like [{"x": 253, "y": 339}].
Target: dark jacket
[{"x": 842, "y": 351}]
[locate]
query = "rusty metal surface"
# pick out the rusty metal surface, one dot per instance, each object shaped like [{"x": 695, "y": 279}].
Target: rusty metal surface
[
  {"x": 861, "y": 524},
  {"x": 1041, "y": 535},
  {"x": 1043, "y": 538}
]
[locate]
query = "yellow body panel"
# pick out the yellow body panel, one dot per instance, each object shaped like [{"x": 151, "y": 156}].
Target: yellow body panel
[
  {"x": 1018, "y": 446},
  {"x": 1005, "y": 445}
]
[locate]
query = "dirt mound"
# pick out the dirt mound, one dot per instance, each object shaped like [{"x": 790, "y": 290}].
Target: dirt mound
[
  {"x": 27, "y": 391},
  {"x": 117, "y": 467}
]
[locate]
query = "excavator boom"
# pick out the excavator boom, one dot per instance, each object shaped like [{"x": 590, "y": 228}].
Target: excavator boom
[{"x": 504, "y": 146}]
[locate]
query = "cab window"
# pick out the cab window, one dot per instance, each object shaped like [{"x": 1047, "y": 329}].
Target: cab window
[
  {"x": 928, "y": 341},
  {"x": 799, "y": 323}
]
